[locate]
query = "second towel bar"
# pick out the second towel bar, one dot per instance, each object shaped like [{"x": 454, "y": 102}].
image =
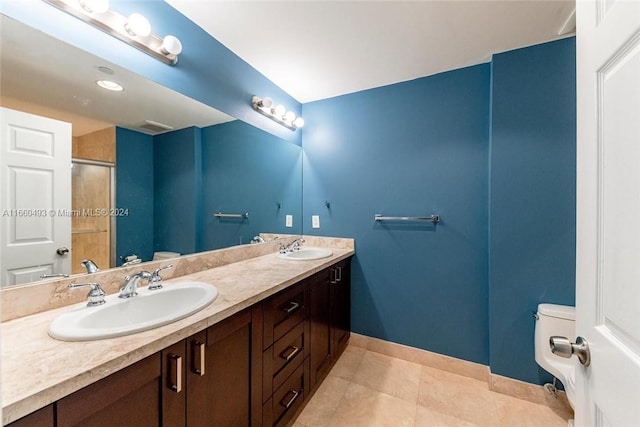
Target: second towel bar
[
  {"x": 224, "y": 215},
  {"x": 431, "y": 218}
]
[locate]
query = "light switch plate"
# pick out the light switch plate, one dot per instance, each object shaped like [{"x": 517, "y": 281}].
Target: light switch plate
[
  {"x": 288, "y": 222},
  {"x": 315, "y": 221}
]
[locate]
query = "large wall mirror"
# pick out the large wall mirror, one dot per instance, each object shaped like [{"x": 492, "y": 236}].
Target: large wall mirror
[{"x": 122, "y": 176}]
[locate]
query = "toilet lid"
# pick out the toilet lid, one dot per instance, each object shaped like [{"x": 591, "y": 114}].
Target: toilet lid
[{"x": 559, "y": 311}]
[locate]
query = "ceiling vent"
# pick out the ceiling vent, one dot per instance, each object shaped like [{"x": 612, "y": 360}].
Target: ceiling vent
[{"x": 155, "y": 127}]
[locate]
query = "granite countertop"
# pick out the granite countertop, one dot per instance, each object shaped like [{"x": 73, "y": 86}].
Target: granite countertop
[{"x": 38, "y": 370}]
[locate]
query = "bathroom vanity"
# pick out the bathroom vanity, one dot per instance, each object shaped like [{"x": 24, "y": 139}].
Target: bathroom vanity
[{"x": 253, "y": 357}]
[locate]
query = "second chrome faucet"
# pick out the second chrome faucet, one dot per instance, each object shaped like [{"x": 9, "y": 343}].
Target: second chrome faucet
[{"x": 130, "y": 287}]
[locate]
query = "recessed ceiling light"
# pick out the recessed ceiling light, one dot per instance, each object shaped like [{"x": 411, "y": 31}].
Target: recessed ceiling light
[{"x": 109, "y": 85}]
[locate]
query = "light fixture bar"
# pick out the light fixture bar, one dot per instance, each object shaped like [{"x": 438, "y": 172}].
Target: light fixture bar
[
  {"x": 264, "y": 107},
  {"x": 115, "y": 25}
]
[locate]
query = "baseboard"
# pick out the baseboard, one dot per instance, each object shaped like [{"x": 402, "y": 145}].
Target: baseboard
[
  {"x": 422, "y": 357},
  {"x": 527, "y": 391}
]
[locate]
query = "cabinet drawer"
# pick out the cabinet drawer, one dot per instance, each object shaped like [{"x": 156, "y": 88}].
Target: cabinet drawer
[
  {"x": 288, "y": 398},
  {"x": 281, "y": 359},
  {"x": 283, "y": 311}
]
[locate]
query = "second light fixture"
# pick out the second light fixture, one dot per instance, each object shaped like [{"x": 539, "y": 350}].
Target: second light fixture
[{"x": 278, "y": 113}]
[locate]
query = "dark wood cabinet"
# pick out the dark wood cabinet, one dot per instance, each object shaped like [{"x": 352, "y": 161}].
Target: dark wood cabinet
[
  {"x": 255, "y": 368},
  {"x": 216, "y": 384},
  {"x": 340, "y": 279},
  {"x": 128, "y": 397},
  {"x": 173, "y": 384},
  {"x": 41, "y": 418},
  {"x": 330, "y": 318},
  {"x": 228, "y": 364},
  {"x": 320, "y": 319}
]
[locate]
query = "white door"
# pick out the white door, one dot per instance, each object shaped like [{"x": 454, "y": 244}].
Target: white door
[
  {"x": 608, "y": 212},
  {"x": 35, "y": 190}
]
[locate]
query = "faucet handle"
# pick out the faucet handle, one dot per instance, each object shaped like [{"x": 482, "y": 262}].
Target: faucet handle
[
  {"x": 95, "y": 296},
  {"x": 156, "y": 280}
]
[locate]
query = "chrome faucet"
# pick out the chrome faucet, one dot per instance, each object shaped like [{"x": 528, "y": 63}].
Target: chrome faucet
[
  {"x": 295, "y": 245},
  {"x": 90, "y": 266},
  {"x": 257, "y": 239},
  {"x": 130, "y": 286}
]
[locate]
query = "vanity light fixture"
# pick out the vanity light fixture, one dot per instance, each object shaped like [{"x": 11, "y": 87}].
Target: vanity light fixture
[
  {"x": 134, "y": 29},
  {"x": 278, "y": 113}
]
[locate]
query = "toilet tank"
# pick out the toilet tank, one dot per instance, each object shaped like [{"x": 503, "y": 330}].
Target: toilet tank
[{"x": 553, "y": 319}]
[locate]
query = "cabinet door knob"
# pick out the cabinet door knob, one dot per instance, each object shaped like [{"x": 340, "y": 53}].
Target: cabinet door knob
[{"x": 175, "y": 373}]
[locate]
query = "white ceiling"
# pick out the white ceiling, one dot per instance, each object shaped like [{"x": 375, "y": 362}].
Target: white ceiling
[
  {"x": 320, "y": 49},
  {"x": 42, "y": 75}
]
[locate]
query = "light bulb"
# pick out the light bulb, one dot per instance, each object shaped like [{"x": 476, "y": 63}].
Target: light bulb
[
  {"x": 138, "y": 25},
  {"x": 267, "y": 102},
  {"x": 171, "y": 45},
  {"x": 279, "y": 111},
  {"x": 290, "y": 116},
  {"x": 94, "y": 6},
  {"x": 299, "y": 122}
]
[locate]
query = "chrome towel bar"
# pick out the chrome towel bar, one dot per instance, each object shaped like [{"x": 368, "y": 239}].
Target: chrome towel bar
[
  {"x": 431, "y": 218},
  {"x": 224, "y": 215}
]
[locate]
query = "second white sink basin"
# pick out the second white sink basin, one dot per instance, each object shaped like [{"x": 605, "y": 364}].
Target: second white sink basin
[
  {"x": 147, "y": 310},
  {"x": 306, "y": 254}
]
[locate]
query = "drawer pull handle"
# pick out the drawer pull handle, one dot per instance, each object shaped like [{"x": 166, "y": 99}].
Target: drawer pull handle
[
  {"x": 175, "y": 374},
  {"x": 339, "y": 274},
  {"x": 293, "y": 306},
  {"x": 292, "y": 351},
  {"x": 287, "y": 403},
  {"x": 198, "y": 362}
]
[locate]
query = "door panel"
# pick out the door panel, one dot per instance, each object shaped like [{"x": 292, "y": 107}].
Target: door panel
[{"x": 608, "y": 208}]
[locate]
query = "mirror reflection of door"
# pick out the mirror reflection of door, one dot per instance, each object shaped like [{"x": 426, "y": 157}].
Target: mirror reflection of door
[{"x": 35, "y": 176}]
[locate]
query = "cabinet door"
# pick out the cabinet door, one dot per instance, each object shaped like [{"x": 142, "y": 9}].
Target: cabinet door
[
  {"x": 320, "y": 328},
  {"x": 41, "y": 418},
  {"x": 173, "y": 385},
  {"x": 340, "y": 279},
  {"x": 129, "y": 397},
  {"x": 228, "y": 372}
]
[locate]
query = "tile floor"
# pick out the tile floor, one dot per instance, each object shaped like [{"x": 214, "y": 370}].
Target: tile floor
[{"x": 370, "y": 389}]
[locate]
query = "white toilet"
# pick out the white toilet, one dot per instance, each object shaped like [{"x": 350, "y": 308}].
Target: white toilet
[{"x": 553, "y": 319}]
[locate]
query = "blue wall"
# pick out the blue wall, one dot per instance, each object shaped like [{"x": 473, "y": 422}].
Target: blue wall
[
  {"x": 468, "y": 286},
  {"x": 206, "y": 70},
  {"x": 134, "y": 191},
  {"x": 177, "y": 190},
  {"x": 532, "y": 202},
  {"x": 413, "y": 148},
  {"x": 248, "y": 170}
]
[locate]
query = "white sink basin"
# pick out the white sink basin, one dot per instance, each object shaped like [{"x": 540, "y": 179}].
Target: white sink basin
[
  {"x": 306, "y": 254},
  {"x": 147, "y": 310}
]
